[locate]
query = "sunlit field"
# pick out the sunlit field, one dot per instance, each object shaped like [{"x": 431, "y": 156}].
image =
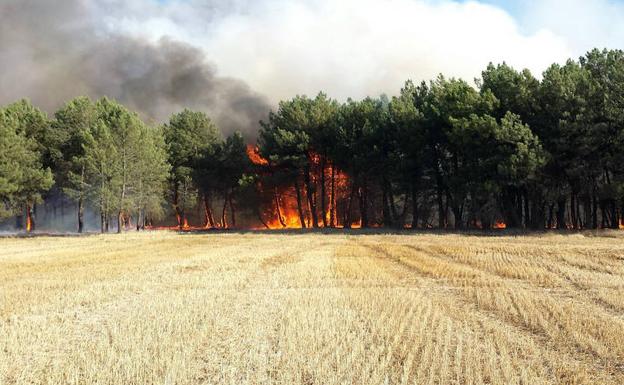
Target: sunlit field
[{"x": 271, "y": 308}]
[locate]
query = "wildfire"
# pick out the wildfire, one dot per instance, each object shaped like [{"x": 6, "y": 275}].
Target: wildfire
[
  {"x": 254, "y": 155},
  {"x": 28, "y": 223},
  {"x": 331, "y": 191},
  {"x": 185, "y": 226},
  {"x": 621, "y": 224},
  {"x": 500, "y": 225},
  {"x": 285, "y": 213},
  {"x": 322, "y": 195}
]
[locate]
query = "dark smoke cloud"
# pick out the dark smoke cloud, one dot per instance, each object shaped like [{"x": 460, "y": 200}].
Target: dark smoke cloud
[{"x": 52, "y": 51}]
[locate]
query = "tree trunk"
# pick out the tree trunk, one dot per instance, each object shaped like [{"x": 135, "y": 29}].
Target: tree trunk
[
  {"x": 80, "y": 201},
  {"x": 441, "y": 210},
  {"x": 176, "y": 205},
  {"x": 103, "y": 210},
  {"x": 594, "y": 211},
  {"x": 414, "y": 205},
  {"x": 385, "y": 205},
  {"x": 119, "y": 221},
  {"x": 232, "y": 210},
  {"x": 19, "y": 222},
  {"x": 393, "y": 210},
  {"x": 348, "y": 215},
  {"x": 587, "y": 210},
  {"x": 561, "y": 211},
  {"x": 458, "y": 214},
  {"x": 299, "y": 204},
  {"x": 613, "y": 214},
  {"x": 362, "y": 205},
  {"x": 323, "y": 206},
  {"x": 30, "y": 220},
  {"x": 538, "y": 211},
  {"x": 573, "y": 213},
  {"x": 80, "y": 214},
  {"x": 279, "y": 209},
  {"x": 527, "y": 211},
  {"x": 259, "y": 214},
  {"x": 123, "y": 191},
  {"x": 580, "y": 224},
  {"x": 332, "y": 198},
  {"x": 510, "y": 204},
  {"x": 208, "y": 217},
  {"x": 310, "y": 194},
  {"x": 223, "y": 212}
]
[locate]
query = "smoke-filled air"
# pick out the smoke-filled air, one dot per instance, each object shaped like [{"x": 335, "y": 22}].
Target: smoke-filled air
[{"x": 54, "y": 51}]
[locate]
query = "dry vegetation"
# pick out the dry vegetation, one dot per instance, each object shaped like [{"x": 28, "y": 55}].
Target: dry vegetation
[{"x": 163, "y": 308}]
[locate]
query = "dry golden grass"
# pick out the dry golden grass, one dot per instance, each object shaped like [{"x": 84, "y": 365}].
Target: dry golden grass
[{"x": 163, "y": 308}]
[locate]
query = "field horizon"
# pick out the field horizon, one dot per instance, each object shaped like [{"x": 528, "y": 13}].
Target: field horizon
[{"x": 313, "y": 307}]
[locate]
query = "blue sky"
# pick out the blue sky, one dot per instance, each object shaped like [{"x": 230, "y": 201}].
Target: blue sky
[{"x": 512, "y": 6}]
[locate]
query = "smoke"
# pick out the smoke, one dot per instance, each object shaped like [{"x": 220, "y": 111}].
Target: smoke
[
  {"x": 347, "y": 48},
  {"x": 53, "y": 51}
]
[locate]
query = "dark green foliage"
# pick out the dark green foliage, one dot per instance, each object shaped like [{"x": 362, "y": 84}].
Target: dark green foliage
[
  {"x": 191, "y": 139},
  {"x": 24, "y": 177},
  {"x": 531, "y": 153}
]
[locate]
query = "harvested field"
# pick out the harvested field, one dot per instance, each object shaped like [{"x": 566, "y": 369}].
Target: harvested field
[{"x": 259, "y": 308}]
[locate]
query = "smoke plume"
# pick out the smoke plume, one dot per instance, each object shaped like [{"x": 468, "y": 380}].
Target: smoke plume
[{"x": 52, "y": 51}]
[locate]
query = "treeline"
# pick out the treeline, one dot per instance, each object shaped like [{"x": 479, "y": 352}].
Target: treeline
[
  {"x": 513, "y": 152},
  {"x": 102, "y": 156}
]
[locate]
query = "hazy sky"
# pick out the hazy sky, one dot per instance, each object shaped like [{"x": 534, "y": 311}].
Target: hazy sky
[
  {"x": 360, "y": 47},
  {"x": 235, "y": 58}
]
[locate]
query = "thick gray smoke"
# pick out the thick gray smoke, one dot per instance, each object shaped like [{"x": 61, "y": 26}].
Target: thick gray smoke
[{"x": 52, "y": 51}]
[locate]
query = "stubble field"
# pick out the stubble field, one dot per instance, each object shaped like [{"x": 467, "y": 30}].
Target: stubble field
[{"x": 258, "y": 308}]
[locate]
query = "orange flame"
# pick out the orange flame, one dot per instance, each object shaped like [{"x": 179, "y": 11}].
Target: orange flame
[
  {"x": 284, "y": 212},
  {"x": 253, "y": 152},
  {"x": 28, "y": 223},
  {"x": 621, "y": 224},
  {"x": 185, "y": 227},
  {"x": 287, "y": 215},
  {"x": 500, "y": 225}
]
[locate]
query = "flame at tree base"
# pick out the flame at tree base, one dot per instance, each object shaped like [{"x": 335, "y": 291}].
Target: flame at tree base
[
  {"x": 29, "y": 219},
  {"x": 500, "y": 225},
  {"x": 291, "y": 205}
]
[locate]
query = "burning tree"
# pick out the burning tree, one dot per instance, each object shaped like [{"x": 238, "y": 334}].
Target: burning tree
[
  {"x": 296, "y": 143},
  {"x": 317, "y": 159}
]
